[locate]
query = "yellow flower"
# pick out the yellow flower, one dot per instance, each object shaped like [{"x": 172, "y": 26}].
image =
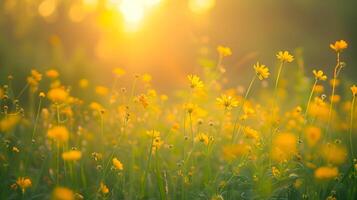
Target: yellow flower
[
  {"x": 326, "y": 173},
  {"x": 117, "y": 164},
  {"x": 275, "y": 171},
  {"x": 284, "y": 56},
  {"x": 331, "y": 197},
  {"x": 157, "y": 143},
  {"x": 250, "y": 133},
  {"x": 58, "y": 133},
  {"x": 71, "y": 155},
  {"x": 339, "y": 45},
  {"x": 118, "y": 72},
  {"x": 224, "y": 51},
  {"x": 313, "y": 135},
  {"x": 34, "y": 79},
  {"x": 190, "y": 107},
  {"x": 9, "y": 123},
  {"x": 175, "y": 126},
  {"x": 152, "y": 93},
  {"x": 298, "y": 182},
  {"x": 146, "y": 78},
  {"x": 262, "y": 71},
  {"x": 164, "y": 97},
  {"x": 143, "y": 100},
  {"x": 23, "y": 183},
  {"x": 284, "y": 146},
  {"x": 334, "y": 154},
  {"x": 202, "y": 137},
  {"x": 15, "y": 149},
  {"x": 354, "y": 90},
  {"x": 195, "y": 82},
  {"x": 217, "y": 197},
  {"x": 232, "y": 152},
  {"x": 83, "y": 83},
  {"x": 42, "y": 94},
  {"x": 335, "y": 82},
  {"x": 227, "y": 102},
  {"x": 101, "y": 90},
  {"x": 36, "y": 75},
  {"x": 96, "y": 106},
  {"x": 156, "y": 140},
  {"x": 57, "y": 95},
  {"x": 319, "y": 75},
  {"x": 319, "y": 89},
  {"x": 153, "y": 133},
  {"x": 335, "y": 98},
  {"x": 103, "y": 188},
  {"x": 62, "y": 193},
  {"x": 97, "y": 156},
  {"x": 52, "y": 73}
]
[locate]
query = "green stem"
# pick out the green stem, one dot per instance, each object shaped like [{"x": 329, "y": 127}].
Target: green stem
[
  {"x": 248, "y": 90},
  {"x": 310, "y": 97},
  {"x": 133, "y": 88},
  {"x": 273, "y": 108},
  {"x": 36, "y": 120},
  {"x": 277, "y": 80},
  {"x": 143, "y": 184},
  {"x": 159, "y": 178},
  {"x": 22, "y": 91},
  {"x": 242, "y": 107},
  {"x": 333, "y": 93}
]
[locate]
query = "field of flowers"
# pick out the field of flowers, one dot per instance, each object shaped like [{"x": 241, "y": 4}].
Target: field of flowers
[{"x": 283, "y": 136}]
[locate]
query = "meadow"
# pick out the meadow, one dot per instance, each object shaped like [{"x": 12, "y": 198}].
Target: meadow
[{"x": 282, "y": 136}]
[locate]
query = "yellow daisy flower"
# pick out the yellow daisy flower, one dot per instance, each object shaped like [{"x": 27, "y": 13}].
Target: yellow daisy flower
[
  {"x": 261, "y": 70},
  {"x": 284, "y": 56}
]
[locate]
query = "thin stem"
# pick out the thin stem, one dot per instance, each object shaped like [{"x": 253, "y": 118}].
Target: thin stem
[
  {"x": 351, "y": 127},
  {"x": 242, "y": 107},
  {"x": 36, "y": 120},
  {"x": 159, "y": 177},
  {"x": 22, "y": 91},
  {"x": 277, "y": 80},
  {"x": 34, "y": 131},
  {"x": 310, "y": 97},
  {"x": 133, "y": 88},
  {"x": 143, "y": 184},
  {"x": 273, "y": 109},
  {"x": 249, "y": 88},
  {"x": 105, "y": 169},
  {"x": 333, "y": 92},
  {"x": 276, "y": 91}
]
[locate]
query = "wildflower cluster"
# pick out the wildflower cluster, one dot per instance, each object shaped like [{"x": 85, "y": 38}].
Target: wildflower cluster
[{"x": 212, "y": 139}]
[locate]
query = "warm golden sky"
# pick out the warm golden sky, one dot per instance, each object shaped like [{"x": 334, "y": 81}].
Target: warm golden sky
[{"x": 166, "y": 38}]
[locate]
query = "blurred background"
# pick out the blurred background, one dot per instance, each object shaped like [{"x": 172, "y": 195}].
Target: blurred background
[{"x": 169, "y": 38}]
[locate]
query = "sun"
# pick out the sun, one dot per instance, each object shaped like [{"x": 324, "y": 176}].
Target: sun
[
  {"x": 134, "y": 11},
  {"x": 201, "y": 6}
]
